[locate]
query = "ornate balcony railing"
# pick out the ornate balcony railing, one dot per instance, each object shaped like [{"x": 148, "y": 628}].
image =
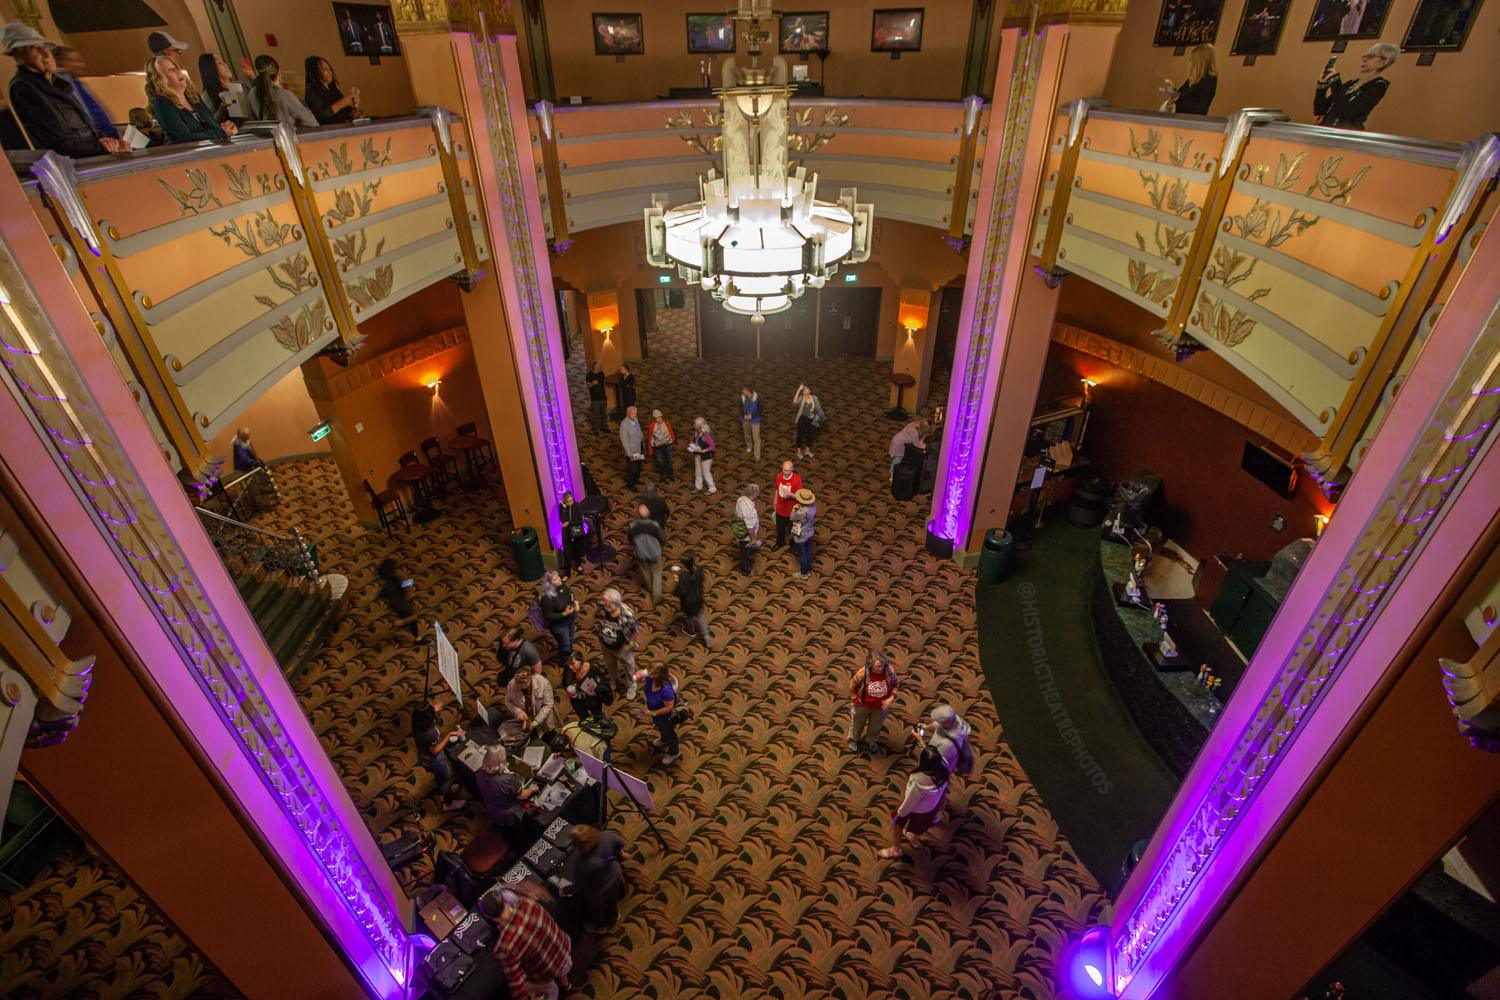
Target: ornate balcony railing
[
  {"x": 213, "y": 270},
  {"x": 247, "y": 545},
  {"x": 1311, "y": 259}
]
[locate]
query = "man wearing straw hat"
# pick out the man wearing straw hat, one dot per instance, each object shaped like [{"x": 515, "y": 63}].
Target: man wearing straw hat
[{"x": 802, "y": 529}]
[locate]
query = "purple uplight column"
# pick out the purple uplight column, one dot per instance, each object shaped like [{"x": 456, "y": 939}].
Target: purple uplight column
[
  {"x": 989, "y": 292},
  {"x": 507, "y": 175},
  {"x": 1413, "y": 511}
]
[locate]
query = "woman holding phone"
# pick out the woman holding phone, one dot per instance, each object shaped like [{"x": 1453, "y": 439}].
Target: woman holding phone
[{"x": 1338, "y": 103}]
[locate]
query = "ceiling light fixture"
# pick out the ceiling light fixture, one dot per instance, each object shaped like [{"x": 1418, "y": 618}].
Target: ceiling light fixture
[{"x": 758, "y": 237}]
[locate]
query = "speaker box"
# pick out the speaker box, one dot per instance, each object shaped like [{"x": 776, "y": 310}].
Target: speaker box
[{"x": 1276, "y": 473}]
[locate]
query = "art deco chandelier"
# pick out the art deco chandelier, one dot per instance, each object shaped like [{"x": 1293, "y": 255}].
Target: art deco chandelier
[{"x": 758, "y": 237}]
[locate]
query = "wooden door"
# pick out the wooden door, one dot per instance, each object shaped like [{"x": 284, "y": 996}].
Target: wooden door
[{"x": 850, "y": 323}]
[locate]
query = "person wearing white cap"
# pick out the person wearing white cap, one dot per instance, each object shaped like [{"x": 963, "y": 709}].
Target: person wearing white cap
[
  {"x": 44, "y": 102},
  {"x": 921, "y": 806},
  {"x": 162, "y": 44}
]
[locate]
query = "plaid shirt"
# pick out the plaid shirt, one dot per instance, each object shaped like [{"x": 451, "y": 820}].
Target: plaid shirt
[{"x": 531, "y": 948}]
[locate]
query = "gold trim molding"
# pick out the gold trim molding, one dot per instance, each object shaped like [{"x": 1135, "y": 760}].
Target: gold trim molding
[{"x": 417, "y": 17}]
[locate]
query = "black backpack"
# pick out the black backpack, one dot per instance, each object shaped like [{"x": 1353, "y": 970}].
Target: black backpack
[{"x": 690, "y": 593}]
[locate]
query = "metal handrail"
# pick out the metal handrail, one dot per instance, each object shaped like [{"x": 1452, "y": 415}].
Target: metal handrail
[{"x": 242, "y": 524}]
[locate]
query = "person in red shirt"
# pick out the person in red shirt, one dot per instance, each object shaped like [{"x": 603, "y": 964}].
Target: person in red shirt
[
  {"x": 872, "y": 691},
  {"x": 786, "y": 486},
  {"x": 531, "y": 948}
]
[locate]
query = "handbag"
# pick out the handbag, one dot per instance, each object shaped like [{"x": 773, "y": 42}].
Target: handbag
[
  {"x": 535, "y": 617},
  {"x": 739, "y": 528}
]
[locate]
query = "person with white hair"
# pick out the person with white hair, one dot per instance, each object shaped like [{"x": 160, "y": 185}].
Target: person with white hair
[
  {"x": 502, "y": 792},
  {"x": 1338, "y": 103},
  {"x": 245, "y": 458},
  {"x": 616, "y": 627},
  {"x": 943, "y": 753}
]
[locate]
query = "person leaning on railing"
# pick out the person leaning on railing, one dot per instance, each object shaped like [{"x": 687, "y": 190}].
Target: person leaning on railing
[
  {"x": 44, "y": 101},
  {"x": 1341, "y": 104},
  {"x": 272, "y": 101},
  {"x": 182, "y": 118},
  {"x": 323, "y": 96}
]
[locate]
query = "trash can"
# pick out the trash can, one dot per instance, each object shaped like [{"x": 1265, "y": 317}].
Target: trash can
[
  {"x": 1087, "y": 509},
  {"x": 995, "y": 555},
  {"x": 528, "y": 553}
]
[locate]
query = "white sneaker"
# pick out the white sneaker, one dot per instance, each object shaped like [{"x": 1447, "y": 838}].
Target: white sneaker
[
  {"x": 658, "y": 742},
  {"x": 748, "y": 450},
  {"x": 630, "y": 692},
  {"x": 809, "y": 453},
  {"x": 799, "y": 452},
  {"x": 671, "y": 758},
  {"x": 713, "y": 491}
]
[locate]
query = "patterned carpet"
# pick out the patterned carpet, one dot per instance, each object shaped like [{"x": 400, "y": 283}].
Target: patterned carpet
[{"x": 771, "y": 887}]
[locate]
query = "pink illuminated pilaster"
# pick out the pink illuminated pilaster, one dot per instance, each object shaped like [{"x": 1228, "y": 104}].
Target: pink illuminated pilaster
[
  {"x": 82, "y": 452},
  {"x": 504, "y": 164},
  {"x": 1012, "y": 170},
  {"x": 1409, "y": 517}
]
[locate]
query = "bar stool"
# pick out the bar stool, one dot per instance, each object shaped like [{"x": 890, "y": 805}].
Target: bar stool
[
  {"x": 481, "y": 446},
  {"x": 388, "y": 507},
  {"x": 444, "y": 466},
  {"x": 418, "y": 477}
]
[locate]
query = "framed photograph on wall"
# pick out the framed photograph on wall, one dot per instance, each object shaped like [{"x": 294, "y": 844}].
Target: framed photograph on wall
[
  {"x": 710, "y": 33},
  {"x": 1346, "y": 20},
  {"x": 1440, "y": 25},
  {"x": 366, "y": 29},
  {"x": 619, "y": 35},
  {"x": 803, "y": 31},
  {"x": 1260, "y": 28},
  {"x": 896, "y": 29},
  {"x": 1188, "y": 22}
]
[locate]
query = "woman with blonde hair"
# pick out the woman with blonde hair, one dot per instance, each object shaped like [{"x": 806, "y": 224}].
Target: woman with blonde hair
[
  {"x": 702, "y": 447},
  {"x": 183, "y": 118},
  {"x": 1197, "y": 92},
  {"x": 1340, "y": 104}
]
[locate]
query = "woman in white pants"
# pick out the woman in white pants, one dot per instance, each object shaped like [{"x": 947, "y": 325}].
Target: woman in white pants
[{"x": 702, "y": 447}]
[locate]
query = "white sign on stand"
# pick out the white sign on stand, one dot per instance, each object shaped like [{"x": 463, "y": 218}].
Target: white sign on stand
[{"x": 447, "y": 658}]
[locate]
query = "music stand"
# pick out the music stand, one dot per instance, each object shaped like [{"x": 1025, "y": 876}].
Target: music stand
[{"x": 610, "y": 777}]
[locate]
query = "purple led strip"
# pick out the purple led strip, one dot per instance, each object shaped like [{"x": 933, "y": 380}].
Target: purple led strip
[
  {"x": 553, "y": 415},
  {"x": 79, "y": 437},
  {"x": 1356, "y": 593},
  {"x": 971, "y": 398}
]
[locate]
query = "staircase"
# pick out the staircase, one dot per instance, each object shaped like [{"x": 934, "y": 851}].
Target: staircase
[{"x": 294, "y": 614}]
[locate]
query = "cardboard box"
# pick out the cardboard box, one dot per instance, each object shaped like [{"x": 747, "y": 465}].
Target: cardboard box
[{"x": 442, "y": 914}]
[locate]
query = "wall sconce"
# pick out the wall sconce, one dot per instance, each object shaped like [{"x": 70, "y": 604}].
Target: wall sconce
[
  {"x": 604, "y": 312},
  {"x": 912, "y": 312},
  {"x": 434, "y": 384},
  {"x": 1088, "y": 384},
  {"x": 1320, "y": 522}
]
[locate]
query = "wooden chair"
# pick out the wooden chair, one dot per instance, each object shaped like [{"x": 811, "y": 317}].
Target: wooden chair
[
  {"x": 481, "y": 446},
  {"x": 444, "y": 466},
  {"x": 388, "y": 507}
]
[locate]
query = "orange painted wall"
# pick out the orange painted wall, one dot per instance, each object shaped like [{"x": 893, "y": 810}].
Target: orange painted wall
[
  {"x": 436, "y": 307},
  {"x": 1421, "y": 101},
  {"x": 278, "y": 422},
  {"x": 398, "y": 411},
  {"x": 851, "y": 69}
]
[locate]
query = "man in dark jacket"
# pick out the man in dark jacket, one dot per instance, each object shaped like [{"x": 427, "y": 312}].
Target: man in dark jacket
[
  {"x": 647, "y": 539},
  {"x": 45, "y": 103}
]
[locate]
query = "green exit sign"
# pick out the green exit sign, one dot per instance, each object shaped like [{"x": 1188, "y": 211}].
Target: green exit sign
[
  {"x": 665, "y": 279},
  {"x": 320, "y": 431},
  {"x": 851, "y": 278}
]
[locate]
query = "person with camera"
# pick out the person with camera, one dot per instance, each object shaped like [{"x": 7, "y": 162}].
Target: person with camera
[
  {"x": 1338, "y": 103},
  {"x": 431, "y": 744},
  {"x": 616, "y": 626},
  {"x": 946, "y": 751},
  {"x": 585, "y": 690},
  {"x": 661, "y": 702}
]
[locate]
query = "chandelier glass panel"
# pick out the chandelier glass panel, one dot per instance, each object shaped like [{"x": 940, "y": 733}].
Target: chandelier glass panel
[{"x": 758, "y": 237}]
